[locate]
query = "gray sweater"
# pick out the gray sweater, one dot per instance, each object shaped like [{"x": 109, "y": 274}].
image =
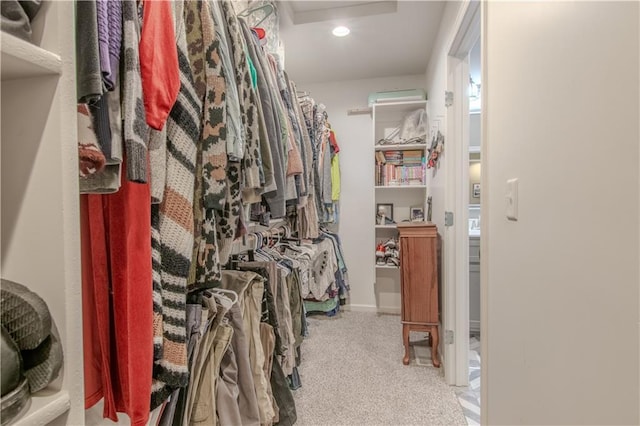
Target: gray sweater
[{"x": 88, "y": 73}]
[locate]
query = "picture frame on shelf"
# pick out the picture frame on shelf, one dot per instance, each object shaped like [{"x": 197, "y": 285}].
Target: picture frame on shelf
[
  {"x": 384, "y": 211},
  {"x": 416, "y": 214}
]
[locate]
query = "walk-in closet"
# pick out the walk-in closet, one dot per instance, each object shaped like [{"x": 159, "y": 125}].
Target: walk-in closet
[{"x": 318, "y": 213}]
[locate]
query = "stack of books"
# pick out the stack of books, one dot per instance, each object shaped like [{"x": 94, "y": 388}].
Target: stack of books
[{"x": 400, "y": 168}]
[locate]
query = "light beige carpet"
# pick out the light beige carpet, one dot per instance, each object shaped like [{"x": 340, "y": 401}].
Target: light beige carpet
[{"x": 352, "y": 374}]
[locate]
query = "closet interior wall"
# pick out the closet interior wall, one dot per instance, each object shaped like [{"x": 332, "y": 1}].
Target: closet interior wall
[{"x": 357, "y": 223}]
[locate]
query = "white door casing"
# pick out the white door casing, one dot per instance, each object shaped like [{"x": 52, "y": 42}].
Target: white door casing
[{"x": 456, "y": 237}]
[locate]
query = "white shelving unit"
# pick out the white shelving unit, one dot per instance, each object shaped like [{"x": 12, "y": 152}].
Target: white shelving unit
[
  {"x": 386, "y": 118},
  {"x": 39, "y": 193}
]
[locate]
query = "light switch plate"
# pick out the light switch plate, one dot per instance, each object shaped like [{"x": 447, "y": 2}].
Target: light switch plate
[{"x": 512, "y": 199}]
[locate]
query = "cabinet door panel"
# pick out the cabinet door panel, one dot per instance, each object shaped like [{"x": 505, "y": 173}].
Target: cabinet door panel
[{"x": 420, "y": 297}]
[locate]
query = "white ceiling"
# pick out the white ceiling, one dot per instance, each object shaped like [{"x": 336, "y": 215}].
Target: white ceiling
[{"x": 388, "y": 38}]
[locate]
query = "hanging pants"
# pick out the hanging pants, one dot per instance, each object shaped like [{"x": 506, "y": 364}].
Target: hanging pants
[{"x": 117, "y": 300}]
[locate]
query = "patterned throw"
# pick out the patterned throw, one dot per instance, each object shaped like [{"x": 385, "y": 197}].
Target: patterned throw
[{"x": 172, "y": 232}]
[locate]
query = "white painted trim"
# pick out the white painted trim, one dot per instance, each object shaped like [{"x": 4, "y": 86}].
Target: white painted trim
[
  {"x": 459, "y": 183},
  {"x": 372, "y": 308},
  {"x": 456, "y": 252},
  {"x": 467, "y": 29},
  {"x": 485, "y": 201}
]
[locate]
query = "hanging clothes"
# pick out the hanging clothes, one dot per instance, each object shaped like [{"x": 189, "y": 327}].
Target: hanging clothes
[
  {"x": 186, "y": 148},
  {"x": 172, "y": 221},
  {"x": 161, "y": 79},
  {"x": 117, "y": 304}
]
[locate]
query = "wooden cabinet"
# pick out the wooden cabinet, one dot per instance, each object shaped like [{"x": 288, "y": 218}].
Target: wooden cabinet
[{"x": 419, "y": 284}]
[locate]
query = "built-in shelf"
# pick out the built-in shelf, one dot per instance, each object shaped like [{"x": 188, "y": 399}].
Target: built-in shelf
[
  {"x": 386, "y": 267},
  {"x": 392, "y": 226},
  {"x": 401, "y": 187},
  {"x": 474, "y": 150},
  {"x": 45, "y": 407},
  {"x": 395, "y": 146},
  {"x": 21, "y": 59},
  {"x": 401, "y": 105}
]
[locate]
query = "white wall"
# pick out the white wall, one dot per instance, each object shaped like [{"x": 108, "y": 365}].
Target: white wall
[
  {"x": 355, "y": 137},
  {"x": 562, "y": 318}
]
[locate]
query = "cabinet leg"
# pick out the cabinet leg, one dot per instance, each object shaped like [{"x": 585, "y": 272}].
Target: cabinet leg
[
  {"x": 435, "y": 339},
  {"x": 405, "y": 340}
]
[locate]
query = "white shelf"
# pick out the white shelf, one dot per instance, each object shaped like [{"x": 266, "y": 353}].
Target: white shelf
[
  {"x": 21, "y": 59},
  {"x": 401, "y": 187},
  {"x": 474, "y": 150},
  {"x": 400, "y": 105},
  {"x": 386, "y": 267},
  {"x": 401, "y": 146},
  {"x": 45, "y": 407},
  {"x": 394, "y": 226},
  {"x": 40, "y": 167}
]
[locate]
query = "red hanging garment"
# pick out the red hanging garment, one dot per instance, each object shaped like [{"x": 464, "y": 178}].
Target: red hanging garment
[
  {"x": 158, "y": 62},
  {"x": 117, "y": 300}
]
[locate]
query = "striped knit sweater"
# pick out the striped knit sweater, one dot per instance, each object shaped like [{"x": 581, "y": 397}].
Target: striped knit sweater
[
  {"x": 134, "y": 126},
  {"x": 172, "y": 237}
]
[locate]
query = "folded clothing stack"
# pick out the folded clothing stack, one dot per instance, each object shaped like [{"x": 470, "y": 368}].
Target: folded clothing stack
[{"x": 388, "y": 253}]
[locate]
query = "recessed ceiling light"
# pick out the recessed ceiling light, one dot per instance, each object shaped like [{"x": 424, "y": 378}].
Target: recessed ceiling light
[{"x": 341, "y": 31}]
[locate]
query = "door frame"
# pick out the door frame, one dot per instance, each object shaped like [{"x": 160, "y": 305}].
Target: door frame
[{"x": 456, "y": 251}]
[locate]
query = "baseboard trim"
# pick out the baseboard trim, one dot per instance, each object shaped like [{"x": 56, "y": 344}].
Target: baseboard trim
[{"x": 372, "y": 308}]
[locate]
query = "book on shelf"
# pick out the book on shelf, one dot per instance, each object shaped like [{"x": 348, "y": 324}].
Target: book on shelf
[
  {"x": 400, "y": 168},
  {"x": 392, "y": 175}
]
